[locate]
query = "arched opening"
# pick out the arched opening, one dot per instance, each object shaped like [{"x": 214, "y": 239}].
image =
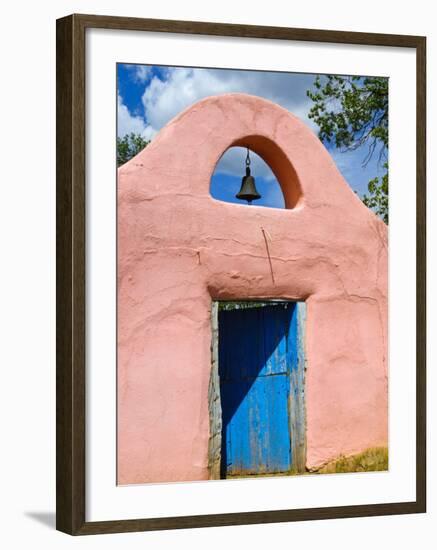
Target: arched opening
[
  {"x": 226, "y": 180},
  {"x": 275, "y": 178}
]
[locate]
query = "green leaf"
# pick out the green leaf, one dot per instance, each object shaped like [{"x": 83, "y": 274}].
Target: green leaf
[
  {"x": 351, "y": 112},
  {"x": 129, "y": 146}
]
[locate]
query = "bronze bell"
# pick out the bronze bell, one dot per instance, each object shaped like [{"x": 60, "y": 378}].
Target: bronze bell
[{"x": 248, "y": 191}]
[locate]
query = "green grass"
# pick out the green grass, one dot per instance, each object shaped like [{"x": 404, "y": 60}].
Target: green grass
[
  {"x": 370, "y": 460},
  {"x": 374, "y": 459}
]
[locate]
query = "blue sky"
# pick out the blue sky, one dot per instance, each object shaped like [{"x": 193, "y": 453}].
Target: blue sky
[{"x": 150, "y": 96}]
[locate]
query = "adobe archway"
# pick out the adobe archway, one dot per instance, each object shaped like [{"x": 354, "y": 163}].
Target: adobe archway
[
  {"x": 178, "y": 249},
  {"x": 278, "y": 162}
]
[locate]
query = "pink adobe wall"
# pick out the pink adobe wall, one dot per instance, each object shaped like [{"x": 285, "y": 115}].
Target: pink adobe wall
[{"x": 179, "y": 248}]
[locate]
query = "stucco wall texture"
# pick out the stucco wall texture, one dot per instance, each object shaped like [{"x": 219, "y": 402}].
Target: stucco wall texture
[{"x": 179, "y": 249}]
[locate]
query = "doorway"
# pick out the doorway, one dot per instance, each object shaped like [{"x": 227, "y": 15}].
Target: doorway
[{"x": 260, "y": 372}]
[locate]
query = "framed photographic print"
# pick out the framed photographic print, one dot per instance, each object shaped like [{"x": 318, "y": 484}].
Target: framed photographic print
[{"x": 240, "y": 292}]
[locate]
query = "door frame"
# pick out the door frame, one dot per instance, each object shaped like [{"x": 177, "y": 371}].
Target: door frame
[{"x": 296, "y": 403}]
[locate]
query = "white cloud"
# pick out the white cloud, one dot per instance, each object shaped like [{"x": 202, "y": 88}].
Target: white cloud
[
  {"x": 149, "y": 132},
  {"x": 142, "y": 72},
  {"x": 177, "y": 88},
  {"x": 164, "y": 99},
  {"x": 126, "y": 122},
  {"x": 234, "y": 162},
  {"x": 139, "y": 73}
]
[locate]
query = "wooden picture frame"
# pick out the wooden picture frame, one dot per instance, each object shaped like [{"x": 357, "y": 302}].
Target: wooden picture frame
[{"x": 71, "y": 274}]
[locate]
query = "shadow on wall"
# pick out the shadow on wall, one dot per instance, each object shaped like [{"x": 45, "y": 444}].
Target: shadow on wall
[{"x": 45, "y": 518}]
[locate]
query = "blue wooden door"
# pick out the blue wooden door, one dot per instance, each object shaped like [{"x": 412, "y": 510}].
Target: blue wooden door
[{"x": 257, "y": 350}]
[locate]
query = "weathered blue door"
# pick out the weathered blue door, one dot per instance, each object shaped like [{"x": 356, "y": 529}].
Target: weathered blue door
[{"x": 258, "y": 354}]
